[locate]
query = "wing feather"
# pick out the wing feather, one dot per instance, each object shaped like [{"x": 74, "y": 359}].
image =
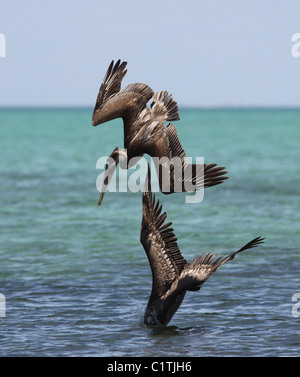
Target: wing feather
[
  {"x": 201, "y": 268},
  {"x": 159, "y": 243},
  {"x": 112, "y": 103},
  {"x": 111, "y": 83}
]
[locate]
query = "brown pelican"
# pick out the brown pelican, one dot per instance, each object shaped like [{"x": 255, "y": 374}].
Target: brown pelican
[
  {"x": 172, "y": 275},
  {"x": 145, "y": 133}
]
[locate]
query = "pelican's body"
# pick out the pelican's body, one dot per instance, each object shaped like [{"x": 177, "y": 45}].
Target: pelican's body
[
  {"x": 172, "y": 274},
  {"x": 145, "y": 133}
]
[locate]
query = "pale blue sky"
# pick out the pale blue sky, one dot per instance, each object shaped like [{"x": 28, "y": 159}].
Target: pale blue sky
[{"x": 205, "y": 52}]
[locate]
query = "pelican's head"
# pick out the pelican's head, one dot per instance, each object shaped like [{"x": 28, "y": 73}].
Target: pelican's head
[
  {"x": 150, "y": 317},
  {"x": 118, "y": 155}
]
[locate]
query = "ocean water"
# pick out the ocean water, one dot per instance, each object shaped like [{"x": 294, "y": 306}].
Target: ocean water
[{"x": 75, "y": 277}]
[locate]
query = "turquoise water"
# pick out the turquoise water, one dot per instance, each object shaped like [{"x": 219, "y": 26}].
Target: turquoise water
[{"x": 75, "y": 276}]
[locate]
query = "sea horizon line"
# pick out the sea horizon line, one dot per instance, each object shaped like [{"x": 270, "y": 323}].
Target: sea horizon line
[{"x": 182, "y": 107}]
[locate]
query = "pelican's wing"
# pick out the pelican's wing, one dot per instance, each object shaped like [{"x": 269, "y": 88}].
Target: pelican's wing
[
  {"x": 113, "y": 103},
  {"x": 175, "y": 174},
  {"x": 111, "y": 83},
  {"x": 140, "y": 92},
  {"x": 163, "y": 107},
  {"x": 196, "y": 273},
  {"x": 150, "y": 123},
  {"x": 163, "y": 145},
  {"x": 157, "y": 140},
  {"x": 193, "y": 176},
  {"x": 159, "y": 243}
]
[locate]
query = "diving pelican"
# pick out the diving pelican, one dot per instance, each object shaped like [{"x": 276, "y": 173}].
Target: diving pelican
[
  {"x": 145, "y": 132},
  {"x": 172, "y": 275}
]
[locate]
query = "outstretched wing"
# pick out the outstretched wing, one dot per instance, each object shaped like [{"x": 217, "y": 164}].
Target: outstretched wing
[
  {"x": 197, "y": 272},
  {"x": 163, "y": 107},
  {"x": 113, "y": 103},
  {"x": 111, "y": 83},
  {"x": 191, "y": 176},
  {"x": 159, "y": 242}
]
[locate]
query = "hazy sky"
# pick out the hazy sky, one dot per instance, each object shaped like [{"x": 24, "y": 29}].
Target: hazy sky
[{"x": 205, "y": 52}]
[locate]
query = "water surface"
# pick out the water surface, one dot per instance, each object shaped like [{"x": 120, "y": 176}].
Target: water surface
[{"x": 75, "y": 277}]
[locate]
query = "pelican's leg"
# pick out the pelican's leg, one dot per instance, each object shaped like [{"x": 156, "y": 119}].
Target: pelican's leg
[{"x": 117, "y": 156}]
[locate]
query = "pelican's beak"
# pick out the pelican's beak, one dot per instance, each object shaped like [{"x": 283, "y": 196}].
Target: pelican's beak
[
  {"x": 110, "y": 167},
  {"x": 100, "y": 199},
  {"x": 117, "y": 156}
]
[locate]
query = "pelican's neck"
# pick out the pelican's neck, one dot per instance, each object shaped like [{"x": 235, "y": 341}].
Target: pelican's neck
[
  {"x": 130, "y": 130},
  {"x": 161, "y": 311},
  {"x": 120, "y": 156},
  {"x": 151, "y": 316}
]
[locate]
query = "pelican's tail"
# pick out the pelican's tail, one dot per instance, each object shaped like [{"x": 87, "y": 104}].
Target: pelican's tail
[{"x": 163, "y": 107}]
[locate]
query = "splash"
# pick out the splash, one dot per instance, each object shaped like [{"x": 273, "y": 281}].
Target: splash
[{"x": 137, "y": 313}]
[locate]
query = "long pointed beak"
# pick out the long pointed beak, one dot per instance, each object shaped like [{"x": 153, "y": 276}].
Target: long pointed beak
[
  {"x": 109, "y": 171},
  {"x": 100, "y": 199},
  {"x": 111, "y": 165}
]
